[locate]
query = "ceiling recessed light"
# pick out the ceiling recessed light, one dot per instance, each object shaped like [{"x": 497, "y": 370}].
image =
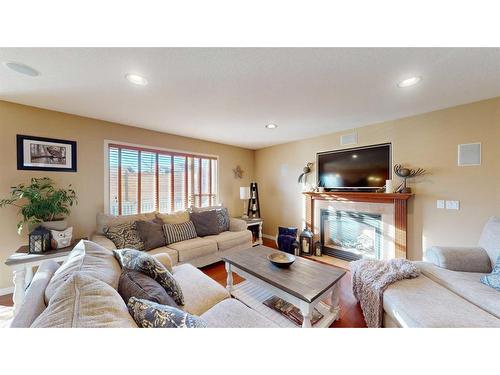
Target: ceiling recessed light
[
  {"x": 21, "y": 68},
  {"x": 271, "y": 126},
  {"x": 136, "y": 79},
  {"x": 409, "y": 82}
]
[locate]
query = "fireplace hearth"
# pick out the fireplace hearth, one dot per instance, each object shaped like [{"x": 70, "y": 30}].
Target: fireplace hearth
[{"x": 351, "y": 235}]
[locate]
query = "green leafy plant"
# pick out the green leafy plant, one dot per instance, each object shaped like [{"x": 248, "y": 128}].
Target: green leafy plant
[{"x": 40, "y": 201}]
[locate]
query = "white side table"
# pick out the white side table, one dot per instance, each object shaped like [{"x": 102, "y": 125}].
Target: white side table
[
  {"x": 22, "y": 264},
  {"x": 255, "y": 226}
]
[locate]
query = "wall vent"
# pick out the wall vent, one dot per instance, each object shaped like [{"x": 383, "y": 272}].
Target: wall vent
[
  {"x": 349, "y": 139},
  {"x": 469, "y": 154}
]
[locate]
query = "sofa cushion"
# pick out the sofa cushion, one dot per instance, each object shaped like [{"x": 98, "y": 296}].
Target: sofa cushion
[
  {"x": 106, "y": 221},
  {"x": 179, "y": 232},
  {"x": 194, "y": 248},
  {"x": 136, "y": 284},
  {"x": 148, "y": 314},
  {"x": 151, "y": 233},
  {"x": 231, "y": 313},
  {"x": 149, "y": 265},
  {"x": 490, "y": 239},
  {"x": 90, "y": 259},
  {"x": 200, "y": 291},
  {"x": 178, "y": 217},
  {"x": 228, "y": 240},
  {"x": 85, "y": 302},
  {"x": 422, "y": 303},
  {"x": 206, "y": 223},
  {"x": 466, "y": 284},
  {"x": 125, "y": 236}
]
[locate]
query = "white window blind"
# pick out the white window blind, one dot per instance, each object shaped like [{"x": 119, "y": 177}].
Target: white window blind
[{"x": 144, "y": 180}]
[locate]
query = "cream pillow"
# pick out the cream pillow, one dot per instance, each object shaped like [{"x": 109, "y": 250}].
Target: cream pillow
[
  {"x": 91, "y": 259},
  {"x": 178, "y": 217},
  {"x": 85, "y": 302}
]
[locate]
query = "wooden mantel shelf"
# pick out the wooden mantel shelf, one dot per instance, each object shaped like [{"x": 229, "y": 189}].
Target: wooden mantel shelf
[{"x": 399, "y": 201}]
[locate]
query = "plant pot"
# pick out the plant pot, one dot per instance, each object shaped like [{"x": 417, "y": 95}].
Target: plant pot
[{"x": 55, "y": 225}]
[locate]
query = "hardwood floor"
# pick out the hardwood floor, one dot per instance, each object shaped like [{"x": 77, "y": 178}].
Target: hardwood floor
[{"x": 351, "y": 315}]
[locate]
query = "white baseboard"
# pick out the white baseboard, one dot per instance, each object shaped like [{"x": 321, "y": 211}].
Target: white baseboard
[
  {"x": 269, "y": 237},
  {"x": 6, "y": 291}
]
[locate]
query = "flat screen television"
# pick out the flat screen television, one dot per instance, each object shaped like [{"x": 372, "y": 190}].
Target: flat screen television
[{"x": 362, "y": 168}]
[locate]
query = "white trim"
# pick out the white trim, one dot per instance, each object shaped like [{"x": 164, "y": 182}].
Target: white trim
[
  {"x": 5, "y": 291},
  {"x": 107, "y": 142},
  {"x": 269, "y": 237}
]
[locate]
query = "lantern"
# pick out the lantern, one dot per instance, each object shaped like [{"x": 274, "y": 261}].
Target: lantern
[
  {"x": 306, "y": 242},
  {"x": 39, "y": 240},
  {"x": 318, "y": 249}
]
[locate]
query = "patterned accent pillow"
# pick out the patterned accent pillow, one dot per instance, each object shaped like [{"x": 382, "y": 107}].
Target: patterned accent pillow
[
  {"x": 223, "y": 219},
  {"x": 148, "y": 265},
  {"x": 179, "y": 232},
  {"x": 125, "y": 236},
  {"x": 493, "y": 279},
  {"x": 149, "y": 314}
]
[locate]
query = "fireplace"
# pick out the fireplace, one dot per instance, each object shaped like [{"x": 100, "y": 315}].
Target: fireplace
[{"x": 351, "y": 235}]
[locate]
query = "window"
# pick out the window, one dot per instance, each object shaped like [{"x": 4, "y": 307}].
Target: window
[{"x": 145, "y": 180}]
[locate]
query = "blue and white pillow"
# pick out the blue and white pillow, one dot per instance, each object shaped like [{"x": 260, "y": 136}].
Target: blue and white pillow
[{"x": 493, "y": 279}]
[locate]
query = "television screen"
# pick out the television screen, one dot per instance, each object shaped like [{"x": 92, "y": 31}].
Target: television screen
[{"x": 359, "y": 168}]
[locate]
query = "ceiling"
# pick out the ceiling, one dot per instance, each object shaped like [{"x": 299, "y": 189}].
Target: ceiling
[{"x": 228, "y": 95}]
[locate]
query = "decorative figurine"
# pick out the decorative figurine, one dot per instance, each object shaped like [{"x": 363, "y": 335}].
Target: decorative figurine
[
  {"x": 305, "y": 171},
  {"x": 61, "y": 238},
  {"x": 406, "y": 173}
]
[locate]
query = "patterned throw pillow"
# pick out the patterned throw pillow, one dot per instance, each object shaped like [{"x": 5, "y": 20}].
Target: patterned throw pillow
[
  {"x": 223, "y": 219},
  {"x": 493, "y": 279},
  {"x": 125, "y": 236},
  {"x": 179, "y": 232},
  {"x": 149, "y": 314},
  {"x": 148, "y": 265}
]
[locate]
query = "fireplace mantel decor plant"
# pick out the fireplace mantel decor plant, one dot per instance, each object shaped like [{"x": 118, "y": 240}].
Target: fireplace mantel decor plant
[{"x": 40, "y": 202}]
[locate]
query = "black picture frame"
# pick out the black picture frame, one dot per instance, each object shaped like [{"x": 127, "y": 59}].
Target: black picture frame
[{"x": 21, "y": 163}]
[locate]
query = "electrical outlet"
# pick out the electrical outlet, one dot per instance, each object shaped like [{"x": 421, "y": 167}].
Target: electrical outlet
[
  {"x": 440, "y": 203},
  {"x": 452, "y": 205}
]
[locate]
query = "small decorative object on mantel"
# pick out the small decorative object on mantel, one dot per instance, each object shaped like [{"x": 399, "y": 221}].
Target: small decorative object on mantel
[
  {"x": 61, "y": 239},
  {"x": 39, "y": 240},
  {"x": 306, "y": 242},
  {"x": 318, "y": 249},
  {"x": 45, "y": 154},
  {"x": 305, "y": 171},
  {"x": 238, "y": 172},
  {"x": 406, "y": 173}
]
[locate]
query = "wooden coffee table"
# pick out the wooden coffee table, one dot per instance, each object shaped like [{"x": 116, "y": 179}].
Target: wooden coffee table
[{"x": 304, "y": 284}]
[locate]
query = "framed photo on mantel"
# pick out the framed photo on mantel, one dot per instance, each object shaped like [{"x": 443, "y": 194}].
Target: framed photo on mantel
[{"x": 45, "y": 154}]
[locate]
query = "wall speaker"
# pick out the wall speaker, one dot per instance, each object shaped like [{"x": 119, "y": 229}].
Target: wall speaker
[
  {"x": 349, "y": 139},
  {"x": 469, "y": 154}
]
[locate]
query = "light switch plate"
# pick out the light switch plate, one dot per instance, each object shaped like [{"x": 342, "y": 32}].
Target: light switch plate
[
  {"x": 452, "y": 205},
  {"x": 440, "y": 203}
]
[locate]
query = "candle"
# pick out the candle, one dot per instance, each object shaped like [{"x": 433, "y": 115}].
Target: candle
[{"x": 388, "y": 186}]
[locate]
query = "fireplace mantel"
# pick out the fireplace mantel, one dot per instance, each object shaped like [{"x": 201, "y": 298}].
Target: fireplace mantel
[{"x": 398, "y": 200}]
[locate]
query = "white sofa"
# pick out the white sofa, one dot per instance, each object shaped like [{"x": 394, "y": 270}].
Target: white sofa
[
  {"x": 199, "y": 252},
  {"x": 449, "y": 292}
]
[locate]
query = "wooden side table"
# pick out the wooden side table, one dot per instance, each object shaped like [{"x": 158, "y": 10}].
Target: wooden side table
[
  {"x": 255, "y": 226},
  {"x": 22, "y": 264}
]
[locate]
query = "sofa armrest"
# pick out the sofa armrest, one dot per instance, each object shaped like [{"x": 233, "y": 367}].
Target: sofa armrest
[
  {"x": 237, "y": 225},
  {"x": 102, "y": 240},
  {"x": 465, "y": 259},
  {"x": 164, "y": 259}
]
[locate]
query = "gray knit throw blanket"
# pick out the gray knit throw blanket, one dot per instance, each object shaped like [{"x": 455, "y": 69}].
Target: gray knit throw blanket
[{"x": 370, "y": 278}]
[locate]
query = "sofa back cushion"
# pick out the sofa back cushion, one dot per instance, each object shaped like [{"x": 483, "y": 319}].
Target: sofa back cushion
[
  {"x": 85, "y": 302},
  {"x": 178, "y": 217},
  {"x": 105, "y": 221},
  {"x": 88, "y": 258},
  {"x": 490, "y": 239}
]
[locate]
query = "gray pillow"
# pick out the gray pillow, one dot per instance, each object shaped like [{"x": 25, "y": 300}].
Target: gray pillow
[
  {"x": 151, "y": 233},
  {"x": 206, "y": 223},
  {"x": 148, "y": 265},
  {"x": 136, "y": 284},
  {"x": 148, "y": 314}
]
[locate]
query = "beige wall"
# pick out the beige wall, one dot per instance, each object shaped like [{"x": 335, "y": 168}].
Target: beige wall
[
  {"x": 428, "y": 141},
  {"x": 89, "y": 180}
]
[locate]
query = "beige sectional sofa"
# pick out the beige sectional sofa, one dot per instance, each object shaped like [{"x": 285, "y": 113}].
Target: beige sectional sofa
[
  {"x": 199, "y": 251},
  {"x": 449, "y": 292},
  {"x": 93, "y": 301}
]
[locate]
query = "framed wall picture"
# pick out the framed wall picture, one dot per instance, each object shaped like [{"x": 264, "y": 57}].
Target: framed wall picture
[{"x": 45, "y": 154}]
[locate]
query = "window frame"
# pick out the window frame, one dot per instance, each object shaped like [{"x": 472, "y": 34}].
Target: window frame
[{"x": 158, "y": 150}]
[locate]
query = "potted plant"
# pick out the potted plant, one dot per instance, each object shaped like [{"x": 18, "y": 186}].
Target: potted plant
[{"x": 41, "y": 203}]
